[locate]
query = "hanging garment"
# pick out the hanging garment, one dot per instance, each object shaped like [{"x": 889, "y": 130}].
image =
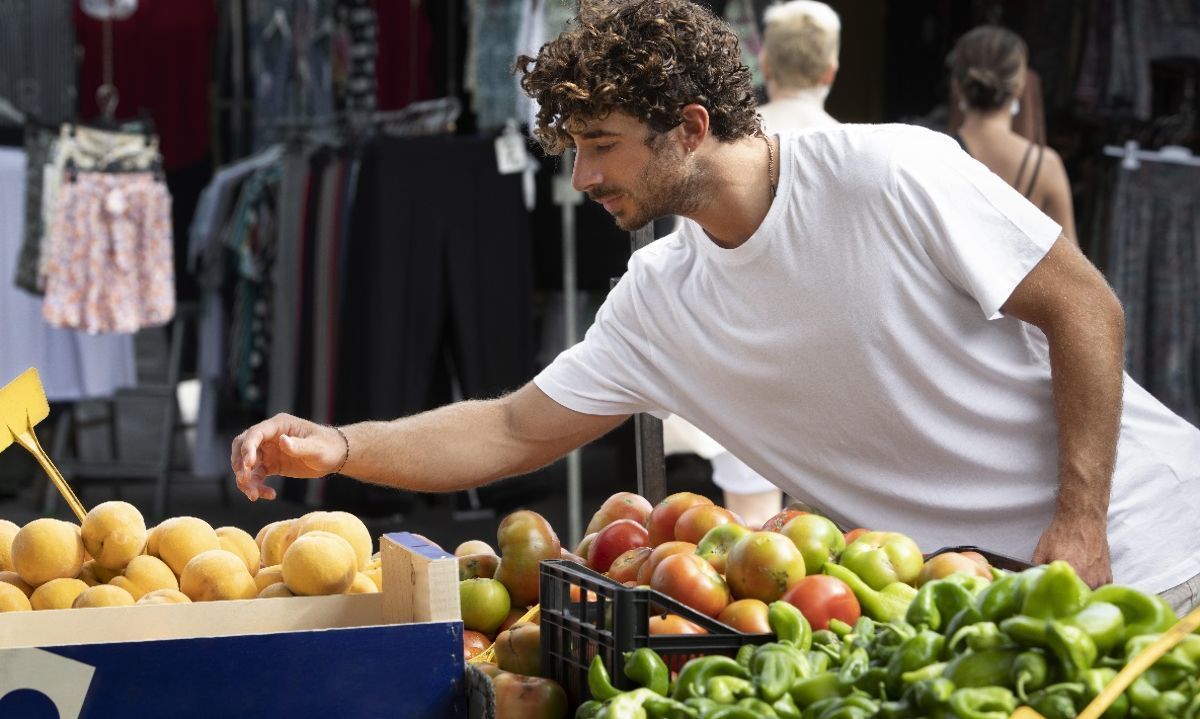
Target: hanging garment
[
  {"x": 1154, "y": 267},
  {"x": 109, "y": 256},
  {"x": 355, "y": 50},
  {"x": 161, "y": 62},
  {"x": 291, "y": 52},
  {"x": 433, "y": 281},
  {"x": 495, "y": 26},
  {"x": 39, "y": 143},
  {"x": 37, "y": 58},
  {"x": 72, "y": 365},
  {"x": 403, "y": 70}
]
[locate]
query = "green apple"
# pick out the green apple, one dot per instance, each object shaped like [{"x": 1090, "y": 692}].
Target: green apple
[
  {"x": 880, "y": 558},
  {"x": 817, "y": 538}
]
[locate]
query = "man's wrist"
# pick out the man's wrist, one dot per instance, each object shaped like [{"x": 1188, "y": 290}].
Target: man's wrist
[{"x": 346, "y": 456}]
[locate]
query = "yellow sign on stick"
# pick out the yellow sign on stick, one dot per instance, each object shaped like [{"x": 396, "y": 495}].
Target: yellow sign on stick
[{"x": 22, "y": 405}]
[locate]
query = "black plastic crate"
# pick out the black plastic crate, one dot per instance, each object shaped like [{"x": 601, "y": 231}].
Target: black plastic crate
[{"x": 612, "y": 620}]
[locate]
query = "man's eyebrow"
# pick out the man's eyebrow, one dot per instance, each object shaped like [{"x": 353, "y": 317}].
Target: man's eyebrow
[{"x": 594, "y": 134}]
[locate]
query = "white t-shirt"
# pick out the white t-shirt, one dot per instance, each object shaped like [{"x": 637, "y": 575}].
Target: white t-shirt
[{"x": 856, "y": 340}]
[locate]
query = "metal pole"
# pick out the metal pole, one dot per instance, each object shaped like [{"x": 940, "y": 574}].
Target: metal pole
[
  {"x": 568, "y": 198},
  {"x": 648, "y": 429}
]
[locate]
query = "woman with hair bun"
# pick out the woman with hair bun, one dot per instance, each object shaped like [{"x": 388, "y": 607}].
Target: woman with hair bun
[{"x": 987, "y": 75}]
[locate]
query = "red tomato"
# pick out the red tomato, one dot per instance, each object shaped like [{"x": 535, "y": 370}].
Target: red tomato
[
  {"x": 821, "y": 598},
  {"x": 661, "y": 522},
  {"x": 474, "y": 643},
  {"x": 689, "y": 579},
  {"x": 746, "y": 615},
  {"x": 674, "y": 624},
  {"x": 660, "y": 553},
  {"x": 854, "y": 534},
  {"x": 775, "y": 524},
  {"x": 625, "y": 567},
  {"x": 613, "y": 541},
  {"x": 695, "y": 522}
]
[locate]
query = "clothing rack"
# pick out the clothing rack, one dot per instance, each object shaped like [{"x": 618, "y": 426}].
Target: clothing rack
[
  {"x": 438, "y": 116},
  {"x": 1132, "y": 155}
]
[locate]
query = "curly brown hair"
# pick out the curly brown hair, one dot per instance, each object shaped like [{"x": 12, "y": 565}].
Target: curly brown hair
[{"x": 647, "y": 58}]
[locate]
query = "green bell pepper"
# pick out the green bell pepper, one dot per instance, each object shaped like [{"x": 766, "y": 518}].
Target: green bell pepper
[
  {"x": 667, "y": 708},
  {"x": 701, "y": 705},
  {"x": 1030, "y": 672},
  {"x": 1002, "y": 598},
  {"x": 974, "y": 670},
  {"x": 628, "y": 705},
  {"x": 884, "y": 605},
  {"x": 966, "y": 617},
  {"x": 1094, "y": 681},
  {"x": 1057, "y": 701},
  {"x": 785, "y": 708},
  {"x": 590, "y": 709},
  {"x": 1178, "y": 658},
  {"x": 758, "y": 706},
  {"x": 817, "y": 708},
  {"x": 745, "y": 654},
  {"x": 1152, "y": 703},
  {"x": 931, "y": 697},
  {"x": 929, "y": 671},
  {"x": 840, "y": 628},
  {"x": 818, "y": 662},
  {"x": 1103, "y": 622},
  {"x": 1058, "y": 592},
  {"x": 976, "y": 637},
  {"x": 1144, "y": 614},
  {"x": 920, "y": 651},
  {"x": 1075, "y": 649},
  {"x": 776, "y": 667},
  {"x": 598, "y": 682},
  {"x": 1025, "y": 631},
  {"x": 789, "y": 625},
  {"x": 725, "y": 689},
  {"x": 853, "y": 668},
  {"x": 644, "y": 666},
  {"x": 693, "y": 677},
  {"x": 937, "y": 602},
  {"x": 731, "y": 712},
  {"x": 983, "y": 703},
  {"x": 807, "y": 692}
]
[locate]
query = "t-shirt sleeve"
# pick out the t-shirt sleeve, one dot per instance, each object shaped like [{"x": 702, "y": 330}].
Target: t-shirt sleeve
[
  {"x": 982, "y": 234},
  {"x": 604, "y": 373}
]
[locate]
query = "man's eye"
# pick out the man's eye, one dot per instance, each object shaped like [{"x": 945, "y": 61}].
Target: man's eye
[{"x": 605, "y": 148}]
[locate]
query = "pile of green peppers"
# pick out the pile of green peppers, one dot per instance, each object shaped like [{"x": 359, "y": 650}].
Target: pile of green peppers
[{"x": 962, "y": 648}]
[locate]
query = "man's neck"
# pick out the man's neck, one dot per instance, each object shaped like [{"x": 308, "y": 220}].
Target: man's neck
[
  {"x": 740, "y": 193},
  {"x": 814, "y": 94}
]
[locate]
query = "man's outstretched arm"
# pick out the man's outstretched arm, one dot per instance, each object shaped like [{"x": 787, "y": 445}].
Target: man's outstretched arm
[{"x": 455, "y": 447}]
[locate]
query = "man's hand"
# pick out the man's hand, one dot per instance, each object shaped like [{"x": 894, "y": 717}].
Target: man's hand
[
  {"x": 287, "y": 446},
  {"x": 1083, "y": 543}
]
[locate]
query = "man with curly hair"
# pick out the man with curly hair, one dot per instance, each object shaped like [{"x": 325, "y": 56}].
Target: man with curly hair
[{"x": 863, "y": 307}]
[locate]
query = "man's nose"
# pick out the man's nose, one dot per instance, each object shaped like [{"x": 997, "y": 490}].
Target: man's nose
[{"x": 584, "y": 174}]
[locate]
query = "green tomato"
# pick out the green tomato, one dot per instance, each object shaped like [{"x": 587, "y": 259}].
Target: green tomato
[
  {"x": 880, "y": 558},
  {"x": 817, "y": 538}
]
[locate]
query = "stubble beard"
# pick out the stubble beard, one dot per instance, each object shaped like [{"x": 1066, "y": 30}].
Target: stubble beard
[{"x": 669, "y": 184}]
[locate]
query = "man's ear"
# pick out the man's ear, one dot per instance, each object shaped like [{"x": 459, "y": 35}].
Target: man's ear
[{"x": 693, "y": 130}]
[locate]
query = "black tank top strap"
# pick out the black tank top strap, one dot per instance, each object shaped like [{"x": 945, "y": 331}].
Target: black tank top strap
[{"x": 1033, "y": 176}]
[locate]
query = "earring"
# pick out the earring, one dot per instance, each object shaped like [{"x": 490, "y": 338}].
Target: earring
[{"x": 1016, "y": 107}]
